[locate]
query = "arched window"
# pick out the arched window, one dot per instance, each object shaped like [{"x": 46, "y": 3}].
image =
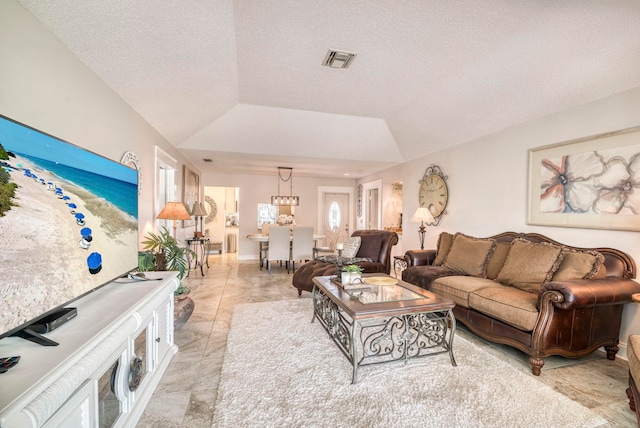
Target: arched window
[{"x": 335, "y": 215}]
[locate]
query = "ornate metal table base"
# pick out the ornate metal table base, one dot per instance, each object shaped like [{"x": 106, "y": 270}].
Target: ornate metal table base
[
  {"x": 200, "y": 257},
  {"x": 379, "y": 340}
]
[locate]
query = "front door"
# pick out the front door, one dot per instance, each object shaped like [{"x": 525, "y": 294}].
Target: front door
[{"x": 335, "y": 215}]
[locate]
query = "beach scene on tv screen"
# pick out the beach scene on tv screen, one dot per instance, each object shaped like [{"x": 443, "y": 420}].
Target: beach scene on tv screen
[{"x": 68, "y": 222}]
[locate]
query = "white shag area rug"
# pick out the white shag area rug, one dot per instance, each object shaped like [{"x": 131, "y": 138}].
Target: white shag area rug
[{"x": 280, "y": 370}]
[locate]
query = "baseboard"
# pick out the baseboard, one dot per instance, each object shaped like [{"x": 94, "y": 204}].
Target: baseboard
[{"x": 622, "y": 352}]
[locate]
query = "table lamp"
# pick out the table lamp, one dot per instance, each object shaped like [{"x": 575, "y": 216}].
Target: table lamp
[
  {"x": 174, "y": 211},
  {"x": 421, "y": 215},
  {"x": 198, "y": 212}
]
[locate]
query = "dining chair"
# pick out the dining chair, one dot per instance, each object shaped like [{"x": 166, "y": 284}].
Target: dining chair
[
  {"x": 332, "y": 239},
  {"x": 279, "y": 245},
  {"x": 302, "y": 245},
  {"x": 264, "y": 246}
]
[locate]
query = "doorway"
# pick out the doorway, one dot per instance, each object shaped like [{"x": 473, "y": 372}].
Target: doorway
[
  {"x": 222, "y": 223},
  {"x": 372, "y": 205},
  {"x": 334, "y": 211},
  {"x": 164, "y": 186}
]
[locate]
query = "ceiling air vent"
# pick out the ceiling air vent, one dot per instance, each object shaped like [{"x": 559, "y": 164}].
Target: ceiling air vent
[
  {"x": 207, "y": 160},
  {"x": 338, "y": 59}
]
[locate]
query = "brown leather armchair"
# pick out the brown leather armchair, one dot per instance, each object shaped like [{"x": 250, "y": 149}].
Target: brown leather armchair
[{"x": 376, "y": 245}]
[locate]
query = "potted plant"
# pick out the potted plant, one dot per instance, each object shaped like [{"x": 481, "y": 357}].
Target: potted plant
[
  {"x": 162, "y": 253},
  {"x": 351, "y": 273}
]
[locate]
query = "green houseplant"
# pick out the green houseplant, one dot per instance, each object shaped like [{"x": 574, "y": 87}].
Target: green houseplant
[
  {"x": 350, "y": 273},
  {"x": 353, "y": 268},
  {"x": 162, "y": 252}
]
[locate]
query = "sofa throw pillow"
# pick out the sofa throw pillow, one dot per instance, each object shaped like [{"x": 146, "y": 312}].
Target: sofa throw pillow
[
  {"x": 370, "y": 247},
  {"x": 497, "y": 259},
  {"x": 529, "y": 264},
  {"x": 469, "y": 255},
  {"x": 578, "y": 264},
  {"x": 601, "y": 273},
  {"x": 351, "y": 247},
  {"x": 445, "y": 241}
]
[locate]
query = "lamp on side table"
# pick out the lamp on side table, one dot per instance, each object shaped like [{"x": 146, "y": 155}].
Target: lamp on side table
[
  {"x": 174, "y": 211},
  {"x": 421, "y": 215},
  {"x": 198, "y": 212}
]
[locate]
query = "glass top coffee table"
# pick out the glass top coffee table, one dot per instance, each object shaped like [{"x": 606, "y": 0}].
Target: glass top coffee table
[{"x": 375, "y": 323}]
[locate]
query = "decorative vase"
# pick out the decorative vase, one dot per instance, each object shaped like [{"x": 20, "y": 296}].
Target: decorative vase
[
  {"x": 182, "y": 296},
  {"x": 349, "y": 278},
  {"x": 346, "y": 278},
  {"x": 183, "y": 306}
]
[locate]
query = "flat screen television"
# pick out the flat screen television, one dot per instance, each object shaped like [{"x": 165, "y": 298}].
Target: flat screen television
[{"x": 68, "y": 224}]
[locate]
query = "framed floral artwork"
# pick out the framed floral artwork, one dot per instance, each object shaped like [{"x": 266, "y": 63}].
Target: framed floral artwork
[
  {"x": 591, "y": 182},
  {"x": 190, "y": 192}
]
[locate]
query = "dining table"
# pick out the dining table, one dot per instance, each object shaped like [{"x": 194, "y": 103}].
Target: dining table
[{"x": 263, "y": 238}]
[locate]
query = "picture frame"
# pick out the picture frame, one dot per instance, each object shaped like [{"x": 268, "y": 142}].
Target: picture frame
[
  {"x": 591, "y": 182},
  {"x": 190, "y": 192}
]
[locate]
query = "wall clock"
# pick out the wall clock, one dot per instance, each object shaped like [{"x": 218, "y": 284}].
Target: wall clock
[{"x": 434, "y": 193}]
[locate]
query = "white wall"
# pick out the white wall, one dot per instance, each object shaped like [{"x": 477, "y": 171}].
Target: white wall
[
  {"x": 255, "y": 189},
  {"x": 488, "y": 182},
  {"x": 45, "y": 86}
]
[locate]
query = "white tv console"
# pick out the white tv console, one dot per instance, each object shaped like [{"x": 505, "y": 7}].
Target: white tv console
[{"x": 122, "y": 335}]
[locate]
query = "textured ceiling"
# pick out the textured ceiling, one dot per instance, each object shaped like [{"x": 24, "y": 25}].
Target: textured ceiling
[{"x": 240, "y": 82}]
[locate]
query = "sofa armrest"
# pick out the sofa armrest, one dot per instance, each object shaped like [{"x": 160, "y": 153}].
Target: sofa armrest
[
  {"x": 585, "y": 293},
  {"x": 419, "y": 257}
]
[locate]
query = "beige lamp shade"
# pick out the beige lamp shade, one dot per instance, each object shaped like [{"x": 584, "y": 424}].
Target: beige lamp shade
[
  {"x": 174, "y": 211},
  {"x": 422, "y": 214},
  {"x": 198, "y": 210}
]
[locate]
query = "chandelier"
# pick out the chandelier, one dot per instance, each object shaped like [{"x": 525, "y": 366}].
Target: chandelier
[{"x": 285, "y": 200}]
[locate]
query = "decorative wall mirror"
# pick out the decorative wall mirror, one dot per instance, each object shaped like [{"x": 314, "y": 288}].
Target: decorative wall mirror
[
  {"x": 131, "y": 160},
  {"x": 211, "y": 207}
]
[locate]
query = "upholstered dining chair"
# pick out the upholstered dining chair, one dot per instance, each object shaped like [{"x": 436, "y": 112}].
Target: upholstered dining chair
[
  {"x": 264, "y": 247},
  {"x": 333, "y": 236},
  {"x": 279, "y": 245},
  {"x": 302, "y": 245}
]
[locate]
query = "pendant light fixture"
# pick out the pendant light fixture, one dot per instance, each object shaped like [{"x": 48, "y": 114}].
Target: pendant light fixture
[{"x": 285, "y": 200}]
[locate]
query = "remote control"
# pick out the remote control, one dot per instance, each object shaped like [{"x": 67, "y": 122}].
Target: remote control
[{"x": 7, "y": 362}]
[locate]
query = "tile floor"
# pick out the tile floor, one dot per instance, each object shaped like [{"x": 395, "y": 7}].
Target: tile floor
[{"x": 186, "y": 395}]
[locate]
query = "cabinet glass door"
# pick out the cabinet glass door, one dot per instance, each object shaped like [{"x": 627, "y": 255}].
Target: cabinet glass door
[{"x": 109, "y": 407}]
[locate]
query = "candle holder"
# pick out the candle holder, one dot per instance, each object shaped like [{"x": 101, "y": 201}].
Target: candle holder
[{"x": 338, "y": 274}]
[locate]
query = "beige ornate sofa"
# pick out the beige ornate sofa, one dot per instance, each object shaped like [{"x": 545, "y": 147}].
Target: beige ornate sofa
[{"x": 530, "y": 292}]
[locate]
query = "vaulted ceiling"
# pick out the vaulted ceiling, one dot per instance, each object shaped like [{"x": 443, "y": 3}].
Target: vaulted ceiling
[{"x": 241, "y": 82}]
